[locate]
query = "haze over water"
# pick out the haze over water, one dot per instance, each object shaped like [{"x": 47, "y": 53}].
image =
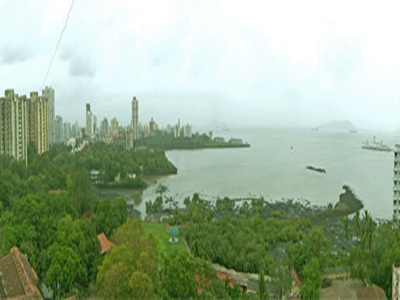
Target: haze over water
[{"x": 270, "y": 168}]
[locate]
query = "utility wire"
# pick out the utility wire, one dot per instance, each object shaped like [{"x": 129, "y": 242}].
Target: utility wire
[{"x": 58, "y": 43}]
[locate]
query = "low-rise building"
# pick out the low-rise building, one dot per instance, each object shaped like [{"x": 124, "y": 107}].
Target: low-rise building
[
  {"x": 105, "y": 243},
  {"x": 17, "y": 278},
  {"x": 234, "y": 141}
]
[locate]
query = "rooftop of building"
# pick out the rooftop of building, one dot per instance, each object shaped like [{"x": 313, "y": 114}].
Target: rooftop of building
[
  {"x": 105, "y": 243},
  {"x": 17, "y": 278}
]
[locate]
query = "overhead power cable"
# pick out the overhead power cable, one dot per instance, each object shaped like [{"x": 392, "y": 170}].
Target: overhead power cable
[{"x": 58, "y": 43}]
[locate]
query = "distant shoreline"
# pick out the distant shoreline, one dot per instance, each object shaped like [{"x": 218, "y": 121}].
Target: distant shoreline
[{"x": 211, "y": 146}]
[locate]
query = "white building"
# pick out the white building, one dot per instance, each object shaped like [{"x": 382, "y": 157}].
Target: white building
[
  {"x": 48, "y": 93},
  {"x": 396, "y": 181}
]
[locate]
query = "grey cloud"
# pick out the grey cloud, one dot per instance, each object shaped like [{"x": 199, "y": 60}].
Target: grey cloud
[
  {"x": 81, "y": 67},
  {"x": 12, "y": 55}
]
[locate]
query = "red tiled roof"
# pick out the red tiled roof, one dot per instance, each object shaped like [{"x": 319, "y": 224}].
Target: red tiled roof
[
  {"x": 17, "y": 278},
  {"x": 104, "y": 242}
]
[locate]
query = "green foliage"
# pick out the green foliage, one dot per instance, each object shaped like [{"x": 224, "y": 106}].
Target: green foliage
[
  {"x": 110, "y": 215},
  {"x": 132, "y": 259},
  {"x": 312, "y": 280},
  {"x": 315, "y": 245},
  {"x": 80, "y": 191},
  {"x": 168, "y": 142},
  {"x": 7, "y": 240},
  {"x": 346, "y": 227},
  {"x": 373, "y": 262},
  {"x": 282, "y": 277},
  {"x": 113, "y": 275},
  {"x": 262, "y": 288},
  {"x": 64, "y": 269},
  {"x": 141, "y": 286},
  {"x": 41, "y": 207},
  {"x": 155, "y": 207},
  {"x": 178, "y": 275},
  {"x": 111, "y": 160}
]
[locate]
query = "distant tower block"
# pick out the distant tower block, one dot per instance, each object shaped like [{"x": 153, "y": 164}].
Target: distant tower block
[{"x": 135, "y": 118}]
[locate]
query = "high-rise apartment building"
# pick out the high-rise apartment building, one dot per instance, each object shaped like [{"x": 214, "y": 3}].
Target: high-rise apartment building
[
  {"x": 396, "y": 181},
  {"x": 59, "y": 130},
  {"x": 37, "y": 120},
  {"x": 48, "y": 93},
  {"x": 135, "y": 118},
  {"x": 13, "y": 126}
]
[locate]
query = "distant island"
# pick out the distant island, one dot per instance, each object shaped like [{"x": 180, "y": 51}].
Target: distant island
[
  {"x": 164, "y": 141},
  {"x": 337, "y": 126}
]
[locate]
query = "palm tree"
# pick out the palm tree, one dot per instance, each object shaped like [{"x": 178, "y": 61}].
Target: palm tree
[{"x": 368, "y": 231}]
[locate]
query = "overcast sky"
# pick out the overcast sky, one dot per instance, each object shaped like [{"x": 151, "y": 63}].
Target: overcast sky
[{"x": 241, "y": 63}]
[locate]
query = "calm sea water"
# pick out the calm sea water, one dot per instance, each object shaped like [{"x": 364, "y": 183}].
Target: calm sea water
[{"x": 272, "y": 169}]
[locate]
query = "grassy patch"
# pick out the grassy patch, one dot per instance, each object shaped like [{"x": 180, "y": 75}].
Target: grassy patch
[{"x": 158, "y": 230}]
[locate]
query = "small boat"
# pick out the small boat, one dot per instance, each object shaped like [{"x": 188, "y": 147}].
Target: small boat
[{"x": 319, "y": 170}]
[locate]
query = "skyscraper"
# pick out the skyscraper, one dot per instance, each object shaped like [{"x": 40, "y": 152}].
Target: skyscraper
[
  {"x": 37, "y": 120},
  {"x": 135, "y": 118},
  {"x": 13, "y": 126},
  {"x": 48, "y": 93}
]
